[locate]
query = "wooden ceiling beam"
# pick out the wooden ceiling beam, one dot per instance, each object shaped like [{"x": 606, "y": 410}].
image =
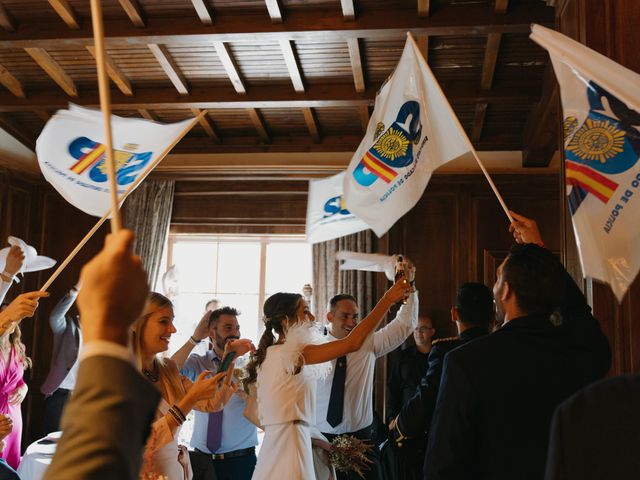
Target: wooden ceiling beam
[
  {"x": 423, "y": 45},
  {"x": 206, "y": 125},
  {"x": 230, "y": 66},
  {"x": 134, "y": 11},
  {"x": 275, "y": 12},
  {"x": 11, "y": 82},
  {"x": 203, "y": 11},
  {"x": 17, "y": 131},
  {"x": 43, "y": 115},
  {"x": 169, "y": 66},
  {"x": 6, "y": 19},
  {"x": 490, "y": 60},
  {"x": 363, "y": 110},
  {"x": 502, "y": 6},
  {"x": 312, "y": 124},
  {"x": 524, "y": 92},
  {"x": 54, "y": 70},
  {"x": 292, "y": 65},
  {"x": 348, "y": 9},
  {"x": 356, "y": 64},
  {"x": 542, "y": 137},
  {"x": 478, "y": 122},
  {"x": 423, "y": 8},
  {"x": 66, "y": 13},
  {"x": 257, "y": 121},
  {"x": 301, "y": 24},
  {"x": 144, "y": 113},
  {"x": 305, "y": 144},
  {"x": 114, "y": 72}
]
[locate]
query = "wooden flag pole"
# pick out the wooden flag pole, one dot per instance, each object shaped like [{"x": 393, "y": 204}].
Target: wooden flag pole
[
  {"x": 105, "y": 106},
  {"x": 137, "y": 182},
  {"x": 471, "y": 148}
]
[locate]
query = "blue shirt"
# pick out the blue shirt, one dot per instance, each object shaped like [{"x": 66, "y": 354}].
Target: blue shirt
[{"x": 237, "y": 432}]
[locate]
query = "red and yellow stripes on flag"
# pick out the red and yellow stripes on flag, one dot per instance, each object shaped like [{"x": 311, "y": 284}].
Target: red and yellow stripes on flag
[
  {"x": 590, "y": 180},
  {"x": 88, "y": 159},
  {"x": 378, "y": 168}
]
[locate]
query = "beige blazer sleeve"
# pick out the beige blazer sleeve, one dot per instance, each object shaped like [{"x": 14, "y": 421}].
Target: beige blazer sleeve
[{"x": 106, "y": 423}]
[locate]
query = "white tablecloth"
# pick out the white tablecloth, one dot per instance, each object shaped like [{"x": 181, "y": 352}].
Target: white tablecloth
[{"x": 37, "y": 458}]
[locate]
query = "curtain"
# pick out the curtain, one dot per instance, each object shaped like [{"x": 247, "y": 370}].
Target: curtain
[
  {"x": 147, "y": 211},
  {"x": 329, "y": 281}
]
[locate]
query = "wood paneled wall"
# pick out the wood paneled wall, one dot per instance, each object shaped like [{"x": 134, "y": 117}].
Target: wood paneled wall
[
  {"x": 609, "y": 27},
  {"x": 242, "y": 206},
  {"x": 31, "y": 210}
]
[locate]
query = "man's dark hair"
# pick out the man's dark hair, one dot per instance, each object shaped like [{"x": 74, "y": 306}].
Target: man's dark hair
[
  {"x": 333, "y": 303},
  {"x": 536, "y": 277},
  {"x": 215, "y": 315},
  {"x": 474, "y": 302}
]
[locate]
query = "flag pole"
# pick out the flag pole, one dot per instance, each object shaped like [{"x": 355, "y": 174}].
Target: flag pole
[
  {"x": 471, "y": 147},
  {"x": 133, "y": 185},
  {"x": 105, "y": 106}
]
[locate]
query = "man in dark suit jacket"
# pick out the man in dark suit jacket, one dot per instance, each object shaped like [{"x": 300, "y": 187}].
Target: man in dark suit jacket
[
  {"x": 595, "y": 434},
  {"x": 472, "y": 314},
  {"x": 108, "y": 418},
  {"x": 498, "y": 393}
]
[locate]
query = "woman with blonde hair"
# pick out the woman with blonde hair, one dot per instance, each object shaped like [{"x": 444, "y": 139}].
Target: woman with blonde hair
[
  {"x": 285, "y": 369},
  {"x": 152, "y": 332}
]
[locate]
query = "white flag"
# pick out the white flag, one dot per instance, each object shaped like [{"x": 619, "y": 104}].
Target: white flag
[
  {"x": 327, "y": 216},
  {"x": 601, "y": 105},
  {"x": 411, "y": 133},
  {"x": 71, "y": 153}
]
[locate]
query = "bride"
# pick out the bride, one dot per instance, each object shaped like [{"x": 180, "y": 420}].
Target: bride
[{"x": 285, "y": 370}]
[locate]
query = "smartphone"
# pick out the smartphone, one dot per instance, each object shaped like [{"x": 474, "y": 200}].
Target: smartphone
[{"x": 226, "y": 361}]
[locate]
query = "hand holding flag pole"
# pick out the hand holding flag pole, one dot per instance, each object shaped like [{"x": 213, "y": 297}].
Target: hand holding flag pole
[
  {"x": 105, "y": 106},
  {"x": 133, "y": 185}
]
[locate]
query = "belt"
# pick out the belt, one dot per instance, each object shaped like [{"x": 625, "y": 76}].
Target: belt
[
  {"x": 365, "y": 433},
  {"x": 233, "y": 454}
]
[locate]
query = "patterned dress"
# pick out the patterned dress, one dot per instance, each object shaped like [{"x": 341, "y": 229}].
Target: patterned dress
[{"x": 11, "y": 377}]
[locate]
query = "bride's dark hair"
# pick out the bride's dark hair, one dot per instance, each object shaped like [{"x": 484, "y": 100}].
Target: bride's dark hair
[{"x": 277, "y": 308}]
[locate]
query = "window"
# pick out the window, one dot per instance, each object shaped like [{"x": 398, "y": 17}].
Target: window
[{"x": 241, "y": 272}]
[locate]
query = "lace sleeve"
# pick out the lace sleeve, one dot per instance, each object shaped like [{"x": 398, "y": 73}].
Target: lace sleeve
[{"x": 298, "y": 337}]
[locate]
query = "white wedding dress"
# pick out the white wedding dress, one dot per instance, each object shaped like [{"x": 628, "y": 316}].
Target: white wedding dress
[{"x": 286, "y": 410}]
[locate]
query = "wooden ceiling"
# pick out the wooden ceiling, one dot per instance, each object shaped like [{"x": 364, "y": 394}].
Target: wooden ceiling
[{"x": 273, "y": 75}]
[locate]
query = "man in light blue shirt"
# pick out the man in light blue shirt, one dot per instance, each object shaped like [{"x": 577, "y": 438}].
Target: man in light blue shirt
[{"x": 223, "y": 442}]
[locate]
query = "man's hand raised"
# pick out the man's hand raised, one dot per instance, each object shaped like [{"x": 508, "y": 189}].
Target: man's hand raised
[
  {"x": 114, "y": 290},
  {"x": 525, "y": 230}
]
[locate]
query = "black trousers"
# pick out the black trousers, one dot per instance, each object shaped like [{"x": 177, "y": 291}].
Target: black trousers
[
  {"x": 236, "y": 468},
  {"x": 371, "y": 471},
  {"x": 53, "y": 407}
]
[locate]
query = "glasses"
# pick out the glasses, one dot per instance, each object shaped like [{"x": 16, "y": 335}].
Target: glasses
[{"x": 424, "y": 329}]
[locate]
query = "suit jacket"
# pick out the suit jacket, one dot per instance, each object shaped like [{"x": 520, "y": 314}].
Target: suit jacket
[
  {"x": 67, "y": 338},
  {"x": 498, "y": 393},
  {"x": 105, "y": 424},
  {"x": 404, "y": 377},
  {"x": 415, "y": 416},
  {"x": 595, "y": 434}
]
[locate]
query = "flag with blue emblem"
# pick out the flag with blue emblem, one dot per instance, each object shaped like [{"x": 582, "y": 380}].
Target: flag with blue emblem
[
  {"x": 601, "y": 111},
  {"x": 71, "y": 154},
  {"x": 327, "y": 214},
  {"x": 411, "y": 133}
]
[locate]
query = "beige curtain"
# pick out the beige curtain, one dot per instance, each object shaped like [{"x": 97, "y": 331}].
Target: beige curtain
[
  {"x": 147, "y": 211},
  {"x": 329, "y": 281}
]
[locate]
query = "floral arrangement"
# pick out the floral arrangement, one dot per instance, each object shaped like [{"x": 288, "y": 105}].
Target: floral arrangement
[{"x": 349, "y": 453}]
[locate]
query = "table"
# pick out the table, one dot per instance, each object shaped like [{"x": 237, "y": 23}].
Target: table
[{"x": 38, "y": 457}]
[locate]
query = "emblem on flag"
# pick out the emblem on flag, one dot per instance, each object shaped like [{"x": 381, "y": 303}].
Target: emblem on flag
[
  {"x": 91, "y": 154},
  {"x": 601, "y": 146},
  {"x": 393, "y": 148}
]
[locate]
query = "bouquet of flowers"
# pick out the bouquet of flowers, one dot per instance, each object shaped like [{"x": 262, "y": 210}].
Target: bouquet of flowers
[{"x": 349, "y": 453}]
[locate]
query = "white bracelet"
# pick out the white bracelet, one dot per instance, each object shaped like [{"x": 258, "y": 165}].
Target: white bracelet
[
  {"x": 7, "y": 275},
  {"x": 193, "y": 341}
]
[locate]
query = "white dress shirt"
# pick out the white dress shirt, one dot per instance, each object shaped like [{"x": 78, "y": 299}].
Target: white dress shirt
[{"x": 358, "y": 388}]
